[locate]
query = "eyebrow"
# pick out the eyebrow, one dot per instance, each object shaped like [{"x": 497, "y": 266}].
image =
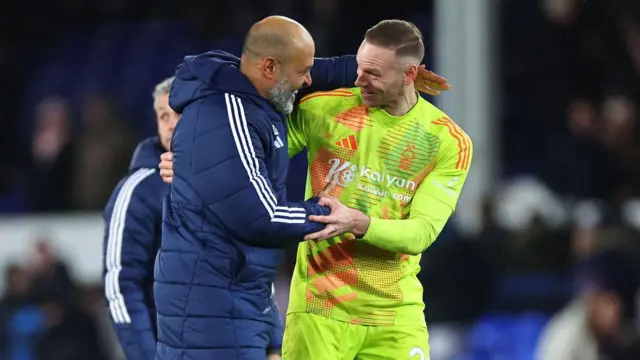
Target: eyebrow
[
  {"x": 374, "y": 71},
  {"x": 367, "y": 69}
]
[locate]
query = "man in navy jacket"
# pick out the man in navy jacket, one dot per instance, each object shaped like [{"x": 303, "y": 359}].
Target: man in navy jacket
[
  {"x": 132, "y": 238},
  {"x": 133, "y": 219},
  {"x": 226, "y": 217}
]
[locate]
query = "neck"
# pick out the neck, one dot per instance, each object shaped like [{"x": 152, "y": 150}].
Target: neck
[
  {"x": 404, "y": 103},
  {"x": 250, "y": 70}
]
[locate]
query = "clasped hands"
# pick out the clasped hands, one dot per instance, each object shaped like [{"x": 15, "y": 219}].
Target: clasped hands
[{"x": 341, "y": 220}]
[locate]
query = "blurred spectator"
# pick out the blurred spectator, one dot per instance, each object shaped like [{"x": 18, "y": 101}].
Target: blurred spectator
[
  {"x": 593, "y": 226},
  {"x": 620, "y": 134},
  {"x": 50, "y": 276},
  {"x": 580, "y": 166},
  {"x": 104, "y": 149},
  {"x": 17, "y": 332},
  {"x": 599, "y": 323},
  {"x": 18, "y": 288},
  {"x": 71, "y": 334},
  {"x": 39, "y": 317},
  {"x": 51, "y": 158}
]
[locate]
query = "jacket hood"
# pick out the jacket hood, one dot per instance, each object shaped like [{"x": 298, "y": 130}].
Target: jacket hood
[
  {"x": 147, "y": 154},
  {"x": 205, "y": 74}
]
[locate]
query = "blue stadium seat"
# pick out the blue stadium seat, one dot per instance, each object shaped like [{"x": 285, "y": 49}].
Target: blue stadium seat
[
  {"x": 542, "y": 292},
  {"x": 505, "y": 337}
]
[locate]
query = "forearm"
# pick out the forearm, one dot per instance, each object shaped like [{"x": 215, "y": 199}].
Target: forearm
[
  {"x": 400, "y": 236},
  {"x": 270, "y": 220},
  {"x": 407, "y": 236},
  {"x": 287, "y": 223}
]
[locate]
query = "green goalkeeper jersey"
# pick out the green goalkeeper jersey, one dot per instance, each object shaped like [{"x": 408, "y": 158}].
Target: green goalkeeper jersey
[{"x": 405, "y": 172}]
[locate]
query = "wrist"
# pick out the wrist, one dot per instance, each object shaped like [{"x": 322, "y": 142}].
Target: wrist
[
  {"x": 274, "y": 353},
  {"x": 361, "y": 225}
]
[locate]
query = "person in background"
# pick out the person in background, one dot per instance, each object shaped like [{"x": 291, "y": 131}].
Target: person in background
[
  {"x": 103, "y": 149},
  {"x": 599, "y": 322},
  {"x": 133, "y": 219},
  {"x": 18, "y": 330},
  {"x": 50, "y": 275},
  {"x": 49, "y": 184}
]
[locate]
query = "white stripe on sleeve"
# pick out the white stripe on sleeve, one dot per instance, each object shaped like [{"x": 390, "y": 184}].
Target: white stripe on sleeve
[
  {"x": 249, "y": 152},
  {"x": 113, "y": 260},
  {"x": 244, "y": 145}
]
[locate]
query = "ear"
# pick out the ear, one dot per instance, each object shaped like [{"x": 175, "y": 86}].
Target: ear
[
  {"x": 269, "y": 67},
  {"x": 411, "y": 74}
]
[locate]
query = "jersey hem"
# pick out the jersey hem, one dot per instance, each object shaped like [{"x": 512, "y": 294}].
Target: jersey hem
[{"x": 352, "y": 321}]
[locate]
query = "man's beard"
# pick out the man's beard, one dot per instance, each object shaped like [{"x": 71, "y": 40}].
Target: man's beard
[{"x": 282, "y": 96}]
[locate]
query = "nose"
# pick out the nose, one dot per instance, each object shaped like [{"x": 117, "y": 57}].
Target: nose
[
  {"x": 173, "y": 122},
  {"x": 360, "y": 81},
  {"x": 307, "y": 80}
]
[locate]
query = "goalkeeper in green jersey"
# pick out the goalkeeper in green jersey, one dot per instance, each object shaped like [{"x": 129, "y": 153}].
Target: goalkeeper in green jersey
[{"x": 398, "y": 164}]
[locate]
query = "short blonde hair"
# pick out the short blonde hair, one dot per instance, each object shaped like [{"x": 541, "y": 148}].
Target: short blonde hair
[{"x": 402, "y": 36}]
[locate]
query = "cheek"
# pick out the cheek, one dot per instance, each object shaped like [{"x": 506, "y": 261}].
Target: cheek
[
  {"x": 397, "y": 83},
  {"x": 297, "y": 82},
  {"x": 163, "y": 129},
  {"x": 382, "y": 87},
  {"x": 374, "y": 84}
]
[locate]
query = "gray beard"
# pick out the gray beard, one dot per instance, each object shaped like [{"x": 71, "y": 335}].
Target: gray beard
[{"x": 282, "y": 97}]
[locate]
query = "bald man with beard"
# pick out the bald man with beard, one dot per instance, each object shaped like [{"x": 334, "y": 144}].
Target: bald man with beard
[{"x": 226, "y": 218}]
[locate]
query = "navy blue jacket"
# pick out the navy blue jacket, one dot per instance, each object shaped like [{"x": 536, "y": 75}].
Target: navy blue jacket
[
  {"x": 133, "y": 218},
  {"x": 226, "y": 217}
]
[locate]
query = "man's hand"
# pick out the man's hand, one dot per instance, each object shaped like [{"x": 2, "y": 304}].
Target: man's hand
[
  {"x": 341, "y": 220},
  {"x": 430, "y": 83},
  {"x": 328, "y": 189},
  {"x": 274, "y": 357},
  {"x": 166, "y": 167}
]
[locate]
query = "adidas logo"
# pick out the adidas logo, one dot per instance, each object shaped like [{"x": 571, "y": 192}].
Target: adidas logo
[
  {"x": 277, "y": 142},
  {"x": 348, "y": 143}
]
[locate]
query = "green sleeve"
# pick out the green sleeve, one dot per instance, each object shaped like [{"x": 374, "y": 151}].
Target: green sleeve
[
  {"x": 296, "y": 136},
  {"x": 432, "y": 205}
]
